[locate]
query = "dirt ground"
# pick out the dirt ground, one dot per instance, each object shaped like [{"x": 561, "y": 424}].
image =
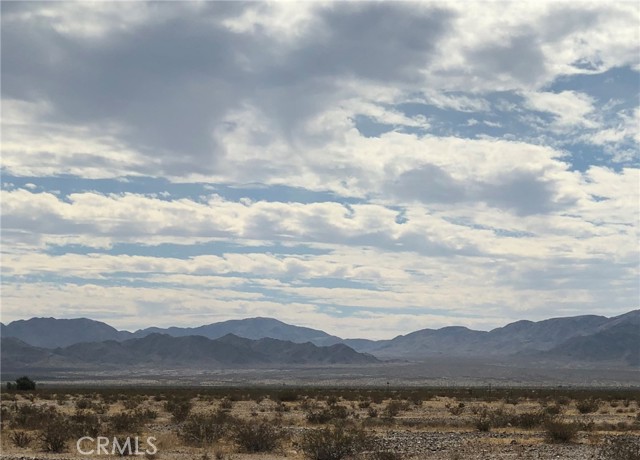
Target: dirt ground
[{"x": 441, "y": 426}]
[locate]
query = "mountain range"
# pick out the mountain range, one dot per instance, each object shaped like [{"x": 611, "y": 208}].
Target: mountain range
[
  {"x": 162, "y": 351},
  {"x": 81, "y": 342}
]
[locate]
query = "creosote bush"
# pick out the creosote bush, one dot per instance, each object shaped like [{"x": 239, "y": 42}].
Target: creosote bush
[
  {"x": 20, "y": 439},
  {"x": 178, "y": 408},
  {"x": 333, "y": 443},
  {"x": 205, "y": 429},
  {"x": 257, "y": 436},
  {"x": 587, "y": 406},
  {"x": 327, "y": 414},
  {"x": 559, "y": 431},
  {"x": 54, "y": 436}
]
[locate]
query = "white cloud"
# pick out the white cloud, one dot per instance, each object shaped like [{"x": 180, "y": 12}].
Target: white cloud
[
  {"x": 270, "y": 94},
  {"x": 570, "y": 108}
]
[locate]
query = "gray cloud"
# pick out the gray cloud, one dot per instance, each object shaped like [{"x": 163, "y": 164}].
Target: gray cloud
[
  {"x": 520, "y": 58},
  {"x": 522, "y": 192},
  {"x": 169, "y": 82}
]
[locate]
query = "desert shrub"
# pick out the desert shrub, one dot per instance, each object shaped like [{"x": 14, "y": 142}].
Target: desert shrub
[
  {"x": 485, "y": 418},
  {"x": 54, "y": 436},
  {"x": 482, "y": 422},
  {"x": 84, "y": 403},
  {"x": 257, "y": 436},
  {"x": 5, "y": 415},
  {"x": 205, "y": 429},
  {"x": 131, "y": 404},
  {"x": 32, "y": 417},
  {"x": 393, "y": 408},
  {"x": 327, "y": 414},
  {"x": 287, "y": 396},
  {"x": 553, "y": 409},
  {"x": 281, "y": 407},
  {"x": 558, "y": 431},
  {"x": 178, "y": 408},
  {"x": 365, "y": 404},
  {"x": 587, "y": 406},
  {"x": 308, "y": 404},
  {"x": 372, "y": 412},
  {"x": 226, "y": 404},
  {"x": 84, "y": 424},
  {"x": 456, "y": 409},
  {"x": 332, "y": 400},
  {"x": 333, "y": 443},
  {"x": 620, "y": 448},
  {"x": 529, "y": 420},
  {"x": 513, "y": 400},
  {"x": 20, "y": 439},
  {"x": 125, "y": 422}
]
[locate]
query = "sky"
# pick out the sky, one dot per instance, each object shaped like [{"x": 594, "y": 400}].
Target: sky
[{"x": 368, "y": 169}]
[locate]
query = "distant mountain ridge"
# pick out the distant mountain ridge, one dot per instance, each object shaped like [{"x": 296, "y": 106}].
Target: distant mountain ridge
[
  {"x": 164, "y": 351},
  {"x": 250, "y": 328},
  {"x": 588, "y": 338}
]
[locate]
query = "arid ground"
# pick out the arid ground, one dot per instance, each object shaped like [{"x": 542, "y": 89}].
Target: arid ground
[{"x": 326, "y": 423}]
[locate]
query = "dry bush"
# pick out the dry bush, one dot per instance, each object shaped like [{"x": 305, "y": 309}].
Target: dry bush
[
  {"x": 178, "y": 408},
  {"x": 84, "y": 424},
  {"x": 529, "y": 420},
  {"x": 125, "y": 422},
  {"x": 553, "y": 409},
  {"x": 587, "y": 406},
  {"x": 54, "y": 436},
  {"x": 226, "y": 404},
  {"x": 394, "y": 407},
  {"x": 204, "y": 429},
  {"x": 20, "y": 439},
  {"x": 32, "y": 417},
  {"x": 558, "y": 431},
  {"x": 333, "y": 443},
  {"x": 257, "y": 436},
  {"x": 287, "y": 396},
  {"x": 84, "y": 403},
  {"x": 456, "y": 409},
  {"x": 327, "y": 414}
]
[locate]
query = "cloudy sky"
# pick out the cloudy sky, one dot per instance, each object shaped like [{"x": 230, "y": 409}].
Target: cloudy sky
[{"x": 365, "y": 168}]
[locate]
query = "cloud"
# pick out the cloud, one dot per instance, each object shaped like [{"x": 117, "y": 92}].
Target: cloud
[
  {"x": 569, "y": 108},
  {"x": 153, "y": 88},
  {"x": 418, "y": 212}
]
